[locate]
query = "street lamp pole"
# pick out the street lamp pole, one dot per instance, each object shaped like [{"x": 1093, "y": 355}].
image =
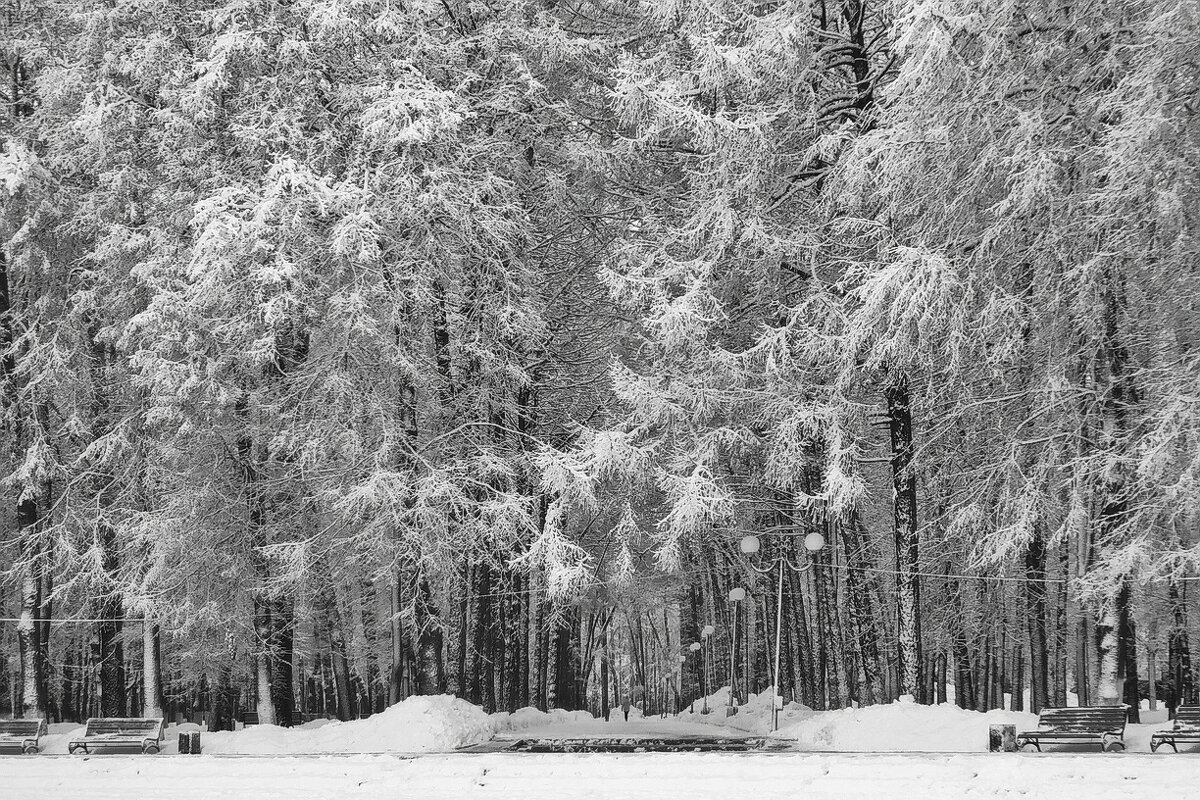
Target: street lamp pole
[
  {"x": 750, "y": 545},
  {"x": 736, "y": 595}
]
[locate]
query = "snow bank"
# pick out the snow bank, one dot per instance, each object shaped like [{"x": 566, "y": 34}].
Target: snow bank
[
  {"x": 416, "y": 725},
  {"x": 753, "y": 716},
  {"x": 902, "y": 727}
]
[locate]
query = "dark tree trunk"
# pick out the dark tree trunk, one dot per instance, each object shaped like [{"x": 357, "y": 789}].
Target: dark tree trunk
[
  {"x": 31, "y": 701},
  {"x": 1058, "y": 691},
  {"x": 1127, "y": 655},
  {"x": 1035, "y": 615},
  {"x": 864, "y": 631},
  {"x": 940, "y": 678},
  {"x": 802, "y": 655},
  {"x": 904, "y": 485},
  {"x": 396, "y": 626},
  {"x": 108, "y": 633},
  {"x": 1179, "y": 653},
  {"x": 225, "y": 697},
  {"x": 1018, "y": 680},
  {"x": 263, "y": 659},
  {"x": 431, "y": 671},
  {"x": 483, "y": 673},
  {"x": 566, "y": 662},
  {"x": 964, "y": 683},
  {"x": 282, "y": 669},
  {"x": 831, "y": 632}
]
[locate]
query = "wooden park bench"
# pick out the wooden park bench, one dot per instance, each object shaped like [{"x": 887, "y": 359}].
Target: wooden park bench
[
  {"x": 21, "y": 734},
  {"x": 1104, "y": 725},
  {"x": 1185, "y": 730},
  {"x": 146, "y": 733}
]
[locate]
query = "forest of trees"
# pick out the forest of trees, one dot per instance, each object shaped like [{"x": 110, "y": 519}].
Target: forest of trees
[{"x": 356, "y": 349}]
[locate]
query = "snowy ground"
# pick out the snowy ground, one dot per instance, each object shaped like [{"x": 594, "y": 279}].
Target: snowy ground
[
  {"x": 412, "y": 741},
  {"x": 697, "y": 776}
]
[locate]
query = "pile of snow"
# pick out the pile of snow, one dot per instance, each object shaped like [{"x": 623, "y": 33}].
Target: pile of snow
[
  {"x": 753, "y": 716},
  {"x": 435, "y": 723},
  {"x": 902, "y": 727},
  {"x": 616, "y": 714}
]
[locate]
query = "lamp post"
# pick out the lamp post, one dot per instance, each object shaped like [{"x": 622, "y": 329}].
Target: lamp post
[
  {"x": 750, "y": 546},
  {"x": 705, "y": 661},
  {"x": 736, "y": 595},
  {"x": 695, "y": 648},
  {"x": 678, "y": 687}
]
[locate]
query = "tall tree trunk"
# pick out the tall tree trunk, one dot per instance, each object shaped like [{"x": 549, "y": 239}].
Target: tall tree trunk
[
  {"x": 226, "y": 695},
  {"x": 31, "y": 703},
  {"x": 1018, "y": 680},
  {"x": 1035, "y": 617},
  {"x": 152, "y": 695},
  {"x": 431, "y": 671},
  {"x": 904, "y": 485},
  {"x": 483, "y": 672},
  {"x": 831, "y": 633},
  {"x": 282, "y": 656},
  {"x": 263, "y": 666},
  {"x": 801, "y": 641},
  {"x": 567, "y": 662},
  {"x": 108, "y": 632},
  {"x": 860, "y": 609},
  {"x": 1179, "y": 653},
  {"x": 465, "y": 685},
  {"x": 1127, "y": 655},
  {"x": 1058, "y": 690},
  {"x": 605, "y": 707},
  {"x": 396, "y": 626},
  {"x": 1114, "y": 631}
]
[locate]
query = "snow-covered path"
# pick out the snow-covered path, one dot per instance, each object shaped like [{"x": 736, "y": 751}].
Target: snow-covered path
[{"x": 694, "y": 776}]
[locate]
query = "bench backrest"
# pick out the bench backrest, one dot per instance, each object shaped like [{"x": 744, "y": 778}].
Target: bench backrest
[
  {"x": 1187, "y": 717},
  {"x": 144, "y": 728},
  {"x": 1100, "y": 719},
  {"x": 22, "y": 728}
]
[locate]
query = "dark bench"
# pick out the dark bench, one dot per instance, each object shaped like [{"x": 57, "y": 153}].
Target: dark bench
[
  {"x": 146, "y": 733},
  {"x": 1104, "y": 725},
  {"x": 21, "y": 734},
  {"x": 1185, "y": 730}
]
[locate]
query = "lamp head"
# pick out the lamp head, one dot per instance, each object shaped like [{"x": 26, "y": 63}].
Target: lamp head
[
  {"x": 750, "y": 545},
  {"x": 814, "y": 542},
  {"x": 737, "y": 594}
]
